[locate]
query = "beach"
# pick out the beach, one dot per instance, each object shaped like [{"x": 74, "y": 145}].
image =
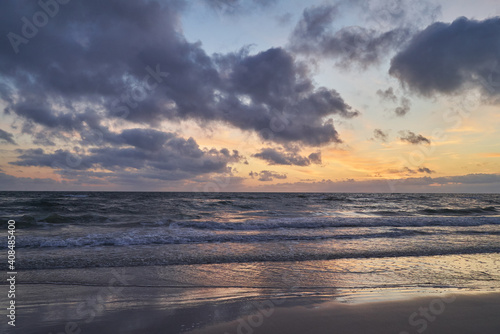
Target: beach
[
  {"x": 448, "y": 314},
  {"x": 254, "y": 262},
  {"x": 206, "y": 311}
]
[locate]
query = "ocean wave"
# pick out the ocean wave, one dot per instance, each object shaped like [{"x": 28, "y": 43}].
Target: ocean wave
[
  {"x": 167, "y": 259},
  {"x": 167, "y": 236},
  {"x": 134, "y": 238},
  {"x": 460, "y": 212},
  {"x": 321, "y": 223},
  {"x": 292, "y": 223}
]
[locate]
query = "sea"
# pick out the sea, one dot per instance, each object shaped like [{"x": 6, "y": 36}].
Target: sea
[{"x": 214, "y": 248}]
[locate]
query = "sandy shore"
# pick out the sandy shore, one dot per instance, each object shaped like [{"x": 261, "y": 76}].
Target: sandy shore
[
  {"x": 455, "y": 314},
  {"x": 45, "y": 309}
]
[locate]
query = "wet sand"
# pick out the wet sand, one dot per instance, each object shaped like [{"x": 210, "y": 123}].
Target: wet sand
[
  {"x": 455, "y": 314},
  {"x": 79, "y": 310}
]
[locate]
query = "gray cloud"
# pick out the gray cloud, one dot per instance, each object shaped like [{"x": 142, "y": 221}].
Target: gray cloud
[
  {"x": 266, "y": 175},
  {"x": 404, "y": 108},
  {"x": 280, "y": 157},
  {"x": 234, "y": 7},
  {"x": 445, "y": 57},
  {"x": 471, "y": 183},
  {"x": 399, "y": 13},
  {"x": 315, "y": 158},
  {"x": 425, "y": 170},
  {"x": 142, "y": 150},
  {"x": 272, "y": 81},
  {"x": 380, "y": 135},
  {"x": 351, "y": 45},
  {"x": 407, "y": 170},
  {"x": 7, "y": 137},
  {"x": 412, "y": 138},
  {"x": 284, "y": 19},
  {"x": 143, "y": 70},
  {"x": 387, "y": 94}
]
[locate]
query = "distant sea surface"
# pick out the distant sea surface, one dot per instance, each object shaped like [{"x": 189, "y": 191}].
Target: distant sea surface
[{"x": 257, "y": 240}]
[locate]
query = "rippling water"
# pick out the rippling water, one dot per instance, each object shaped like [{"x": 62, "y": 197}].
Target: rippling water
[{"x": 258, "y": 239}]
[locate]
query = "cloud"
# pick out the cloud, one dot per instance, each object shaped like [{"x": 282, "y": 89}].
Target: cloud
[
  {"x": 315, "y": 158},
  {"x": 425, "y": 170},
  {"x": 270, "y": 91},
  {"x": 144, "y": 71},
  {"x": 266, "y": 175},
  {"x": 352, "y": 45},
  {"x": 447, "y": 57},
  {"x": 404, "y": 108},
  {"x": 399, "y": 13},
  {"x": 235, "y": 7},
  {"x": 471, "y": 183},
  {"x": 387, "y": 94},
  {"x": 412, "y": 138},
  {"x": 407, "y": 170},
  {"x": 280, "y": 157},
  {"x": 284, "y": 19},
  {"x": 140, "y": 150},
  {"x": 380, "y": 135},
  {"x": 13, "y": 183},
  {"x": 7, "y": 137}
]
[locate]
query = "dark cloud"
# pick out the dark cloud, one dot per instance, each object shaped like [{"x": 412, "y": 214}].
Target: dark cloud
[
  {"x": 77, "y": 72},
  {"x": 7, "y": 137},
  {"x": 399, "y": 13},
  {"x": 407, "y": 170},
  {"x": 404, "y": 108},
  {"x": 469, "y": 179},
  {"x": 315, "y": 158},
  {"x": 425, "y": 170},
  {"x": 270, "y": 91},
  {"x": 280, "y": 157},
  {"x": 387, "y": 94},
  {"x": 9, "y": 182},
  {"x": 471, "y": 183},
  {"x": 142, "y": 150},
  {"x": 351, "y": 45},
  {"x": 315, "y": 23},
  {"x": 412, "y": 138},
  {"x": 445, "y": 57},
  {"x": 284, "y": 19},
  {"x": 266, "y": 175},
  {"x": 233, "y": 7},
  {"x": 380, "y": 135}
]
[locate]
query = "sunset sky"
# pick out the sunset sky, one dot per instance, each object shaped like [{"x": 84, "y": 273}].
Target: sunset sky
[{"x": 250, "y": 95}]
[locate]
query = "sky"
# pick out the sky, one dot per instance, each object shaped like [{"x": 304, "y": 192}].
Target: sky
[{"x": 250, "y": 95}]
